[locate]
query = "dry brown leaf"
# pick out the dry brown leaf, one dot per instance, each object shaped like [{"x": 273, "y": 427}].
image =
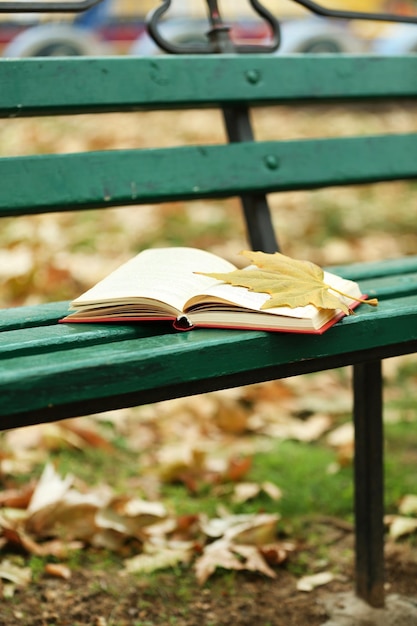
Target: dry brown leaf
[
  {"x": 308, "y": 583},
  {"x": 44, "y": 438},
  {"x": 17, "y": 538},
  {"x": 31, "y": 437},
  {"x": 247, "y": 491},
  {"x": 237, "y": 468},
  {"x": 88, "y": 435},
  {"x": 17, "y": 498},
  {"x": 14, "y": 573},
  {"x": 66, "y": 520},
  {"x": 59, "y": 548},
  {"x": 217, "y": 554},
  {"x": 255, "y": 529},
  {"x": 254, "y": 560},
  {"x": 60, "y": 512},
  {"x": 259, "y": 530},
  {"x": 400, "y": 525},
  {"x": 341, "y": 436},
  {"x": 58, "y": 570},
  {"x": 163, "y": 556},
  {"x": 216, "y": 527},
  {"x": 14, "y": 535},
  {"x": 272, "y": 490},
  {"x": 56, "y": 509},
  {"x": 142, "y": 510},
  {"x": 225, "y": 554},
  {"x": 231, "y": 417},
  {"x": 306, "y": 430},
  {"x": 277, "y": 553},
  {"x": 51, "y": 488},
  {"x": 115, "y": 523},
  {"x": 408, "y": 505},
  {"x": 175, "y": 462},
  {"x": 289, "y": 282}
]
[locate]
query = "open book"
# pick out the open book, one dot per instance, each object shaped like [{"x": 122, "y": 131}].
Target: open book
[{"x": 161, "y": 284}]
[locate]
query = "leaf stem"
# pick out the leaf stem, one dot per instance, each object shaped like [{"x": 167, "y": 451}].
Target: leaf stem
[{"x": 371, "y": 301}]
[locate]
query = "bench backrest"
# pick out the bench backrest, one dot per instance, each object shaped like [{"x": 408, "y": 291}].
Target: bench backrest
[{"x": 47, "y": 183}]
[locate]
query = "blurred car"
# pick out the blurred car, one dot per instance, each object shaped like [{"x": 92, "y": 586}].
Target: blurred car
[
  {"x": 55, "y": 39},
  {"x": 297, "y": 36}
]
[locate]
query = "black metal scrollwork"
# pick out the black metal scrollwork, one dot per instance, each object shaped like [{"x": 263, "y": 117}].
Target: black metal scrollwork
[
  {"x": 355, "y": 15},
  {"x": 219, "y": 34},
  {"x": 219, "y": 39}
]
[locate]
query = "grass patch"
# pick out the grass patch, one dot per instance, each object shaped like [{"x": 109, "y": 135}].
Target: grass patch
[
  {"x": 400, "y": 462},
  {"x": 301, "y": 472}
]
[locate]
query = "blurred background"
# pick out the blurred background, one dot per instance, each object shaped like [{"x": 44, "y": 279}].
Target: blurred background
[{"x": 296, "y": 432}]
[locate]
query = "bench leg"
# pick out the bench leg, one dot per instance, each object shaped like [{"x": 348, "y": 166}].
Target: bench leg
[{"x": 369, "y": 482}]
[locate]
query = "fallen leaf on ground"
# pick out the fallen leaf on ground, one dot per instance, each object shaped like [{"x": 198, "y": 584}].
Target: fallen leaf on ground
[
  {"x": 224, "y": 554},
  {"x": 58, "y": 570},
  {"x": 161, "y": 556},
  {"x": 55, "y": 436},
  {"x": 237, "y": 468},
  {"x": 249, "y": 528},
  {"x": 247, "y": 491},
  {"x": 408, "y": 505},
  {"x": 300, "y": 430},
  {"x": 14, "y": 573},
  {"x": 17, "y": 498},
  {"x": 253, "y": 560},
  {"x": 308, "y": 583},
  {"x": 400, "y": 525},
  {"x": 277, "y": 553},
  {"x": 51, "y": 488}
]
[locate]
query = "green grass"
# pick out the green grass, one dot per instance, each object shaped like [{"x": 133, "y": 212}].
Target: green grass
[
  {"x": 400, "y": 462},
  {"x": 300, "y": 470}
]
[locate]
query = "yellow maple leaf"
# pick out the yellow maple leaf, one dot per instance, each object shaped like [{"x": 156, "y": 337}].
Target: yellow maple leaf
[{"x": 289, "y": 282}]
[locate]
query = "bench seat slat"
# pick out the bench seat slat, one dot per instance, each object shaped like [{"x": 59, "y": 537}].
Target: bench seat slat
[
  {"x": 35, "y": 315},
  {"x": 147, "y": 364},
  {"x": 44, "y": 86},
  {"x": 391, "y": 287},
  {"x": 34, "y": 184},
  {"x": 377, "y": 269},
  {"x": 58, "y": 337}
]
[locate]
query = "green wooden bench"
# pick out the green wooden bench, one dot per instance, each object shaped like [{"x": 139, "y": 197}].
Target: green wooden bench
[{"x": 51, "y": 371}]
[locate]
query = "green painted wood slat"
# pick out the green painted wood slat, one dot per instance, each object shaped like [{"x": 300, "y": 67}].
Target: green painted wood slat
[
  {"x": 374, "y": 269},
  {"x": 56, "y": 338},
  {"x": 80, "y": 353},
  {"x": 44, "y": 86},
  {"x": 34, "y": 184},
  {"x": 82, "y": 373}
]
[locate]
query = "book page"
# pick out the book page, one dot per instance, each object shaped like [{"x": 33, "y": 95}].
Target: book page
[{"x": 165, "y": 275}]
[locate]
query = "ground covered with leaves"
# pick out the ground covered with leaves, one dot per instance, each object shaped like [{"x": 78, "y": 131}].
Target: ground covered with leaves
[
  {"x": 104, "y": 598},
  {"x": 230, "y": 508}
]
